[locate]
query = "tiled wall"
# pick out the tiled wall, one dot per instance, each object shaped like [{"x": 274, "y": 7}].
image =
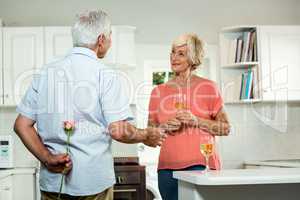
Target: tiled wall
[{"x": 261, "y": 131}]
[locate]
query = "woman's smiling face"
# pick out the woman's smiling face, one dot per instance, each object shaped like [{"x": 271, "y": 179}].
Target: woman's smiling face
[{"x": 179, "y": 59}]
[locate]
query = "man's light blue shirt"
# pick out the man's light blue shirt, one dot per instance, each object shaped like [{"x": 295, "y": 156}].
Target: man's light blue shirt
[{"x": 77, "y": 87}]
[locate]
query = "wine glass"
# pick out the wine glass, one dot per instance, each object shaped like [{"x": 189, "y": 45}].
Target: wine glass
[
  {"x": 180, "y": 101},
  {"x": 207, "y": 149}
]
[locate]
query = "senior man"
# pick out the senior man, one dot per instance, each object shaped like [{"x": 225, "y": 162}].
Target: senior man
[{"x": 81, "y": 89}]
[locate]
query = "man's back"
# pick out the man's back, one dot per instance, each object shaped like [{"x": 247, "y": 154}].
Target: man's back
[{"x": 78, "y": 88}]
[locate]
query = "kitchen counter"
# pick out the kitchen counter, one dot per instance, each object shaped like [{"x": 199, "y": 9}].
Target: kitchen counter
[
  {"x": 293, "y": 163},
  {"x": 241, "y": 176},
  {"x": 267, "y": 184}
]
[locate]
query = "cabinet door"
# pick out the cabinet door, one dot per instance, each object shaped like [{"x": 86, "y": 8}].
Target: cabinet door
[
  {"x": 58, "y": 42},
  {"x": 1, "y": 69},
  {"x": 24, "y": 186},
  {"x": 6, "y": 192},
  {"x": 122, "y": 51},
  {"x": 280, "y": 61},
  {"x": 22, "y": 56}
]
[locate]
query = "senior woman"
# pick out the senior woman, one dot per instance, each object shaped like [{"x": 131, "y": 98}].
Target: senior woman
[{"x": 190, "y": 109}]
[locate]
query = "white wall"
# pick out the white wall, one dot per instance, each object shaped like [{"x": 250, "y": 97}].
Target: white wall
[
  {"x": 262, "y": 131},
  {"x": 157, "y": 21}
]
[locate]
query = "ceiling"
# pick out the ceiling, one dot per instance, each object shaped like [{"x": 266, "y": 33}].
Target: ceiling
[{"x": 157, "y": 21}]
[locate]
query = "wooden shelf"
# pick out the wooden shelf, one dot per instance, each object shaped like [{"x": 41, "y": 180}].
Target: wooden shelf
[{"x": 241, "y": 65}]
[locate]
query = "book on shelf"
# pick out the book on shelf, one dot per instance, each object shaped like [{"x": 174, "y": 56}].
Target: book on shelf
[
  {"x": 255, "y": 48},
  {"x": 232, "y": 51},
  {"x": 238, "y": 57},
  {"x": 255, "y": 84},
  {"x": 242, "y": 48},
  {"x": 251, "y": 47},
  {"x": 246, "y": 40},
  {"x": 243, "y": 87},
  {"x": 249, "y": 84}
]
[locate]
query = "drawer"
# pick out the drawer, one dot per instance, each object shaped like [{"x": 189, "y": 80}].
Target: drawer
[{"x": 128, "y": 178}]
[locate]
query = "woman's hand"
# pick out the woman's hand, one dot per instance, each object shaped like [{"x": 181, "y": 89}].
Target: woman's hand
[
  {"x": 171, "y": 126},
  {"x": 186, "y": 118}
]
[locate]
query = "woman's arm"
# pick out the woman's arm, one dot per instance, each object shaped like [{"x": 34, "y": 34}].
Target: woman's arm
[
  {"x": 218, "y": 126},
  {"x": 169, "y": 127}
]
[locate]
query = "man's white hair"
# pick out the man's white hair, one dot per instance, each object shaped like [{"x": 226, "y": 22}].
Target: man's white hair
[{"x": 88, "y": 26}]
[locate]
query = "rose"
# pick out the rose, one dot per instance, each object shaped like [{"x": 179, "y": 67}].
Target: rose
[{"x": 69, "y": 127}]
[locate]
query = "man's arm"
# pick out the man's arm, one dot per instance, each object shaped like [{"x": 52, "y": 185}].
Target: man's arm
[
  {"x": 124, "y": 132},
  {"x": 24, "y": 128}
]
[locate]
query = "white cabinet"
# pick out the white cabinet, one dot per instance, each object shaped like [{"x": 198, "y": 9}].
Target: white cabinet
[
  {"x": 239, "y": 62},
  {"x": 58, "y": 42},
  {"x": 6, "y": 189},
  {"x": 23, "y": 53},
  {"x": 275, "y": 63},
  {"x": 24, "y": 185},
  {"x": 1, "y": 68},
  {"x": 18, "y": 183},
  {"x": 23, "y": 50},
  {"x": 122, "y": 52},
  {"x": 280, "y": 61}
]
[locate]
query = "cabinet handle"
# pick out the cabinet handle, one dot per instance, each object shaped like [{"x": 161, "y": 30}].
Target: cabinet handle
[
  {"x": 126, "y": 190},
  {"x": 120, "y": 179}
]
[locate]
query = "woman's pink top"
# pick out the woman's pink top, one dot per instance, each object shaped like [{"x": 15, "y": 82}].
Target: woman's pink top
[{"x": 183, "y": 150}]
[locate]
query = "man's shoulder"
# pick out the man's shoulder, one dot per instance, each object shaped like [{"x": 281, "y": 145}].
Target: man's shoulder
[{"x": 60, "y": 62}]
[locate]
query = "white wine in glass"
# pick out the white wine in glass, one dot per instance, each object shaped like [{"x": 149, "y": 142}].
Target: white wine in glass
[
  {"x": 180, "y": 102},
  {"x": 206, "y": 150}
]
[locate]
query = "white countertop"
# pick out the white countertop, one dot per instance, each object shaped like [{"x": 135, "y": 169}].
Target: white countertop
[
  {"x": 7, "y": 172},
  {"x": 241, "y": 176},
  {"x": 275, "y": 163}
]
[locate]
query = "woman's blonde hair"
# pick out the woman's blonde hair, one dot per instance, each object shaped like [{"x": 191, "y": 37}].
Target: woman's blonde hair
[{"x": 195, "y": 48}]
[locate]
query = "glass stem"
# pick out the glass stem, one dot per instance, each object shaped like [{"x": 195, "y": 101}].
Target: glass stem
[{"x": 207, "y": 164}]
